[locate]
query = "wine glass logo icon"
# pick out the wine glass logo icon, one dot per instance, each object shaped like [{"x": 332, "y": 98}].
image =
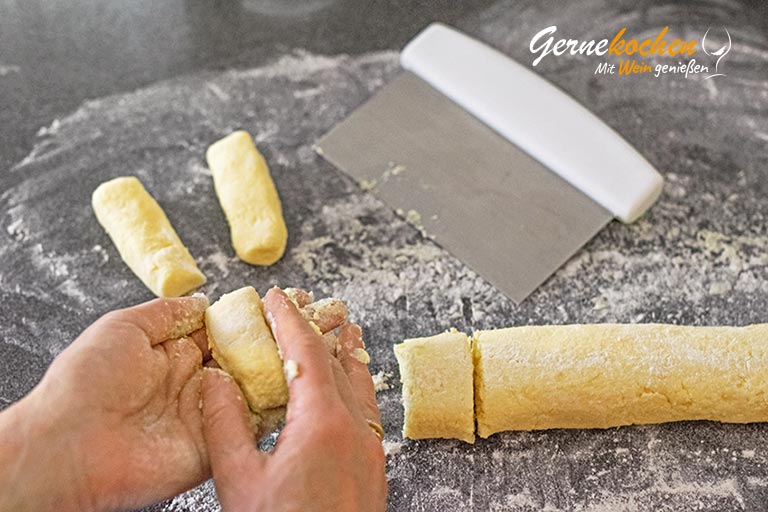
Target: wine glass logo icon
[{"x": 719, "y": 53}]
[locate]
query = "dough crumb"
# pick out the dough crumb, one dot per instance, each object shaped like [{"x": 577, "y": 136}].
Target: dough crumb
[
  {"x": 380, "y": 381},
  {"x": 748, "y": 454},
  {"x": 291, "y": 370},
  {"x": 299, "y": 297},
  {"x": 413, "y": 217},
  {"x": 361, "y": 355},
  {"x": 719, "y": 288},
  {"x": 315, "y": 328},
  {"x": 367, "y": 185},
  {"x": 398, "y": 169},
  {"x": 391, "y": 447}
]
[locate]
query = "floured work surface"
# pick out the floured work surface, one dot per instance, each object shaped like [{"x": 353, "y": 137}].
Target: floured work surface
[{"x": 699, "y": 257}]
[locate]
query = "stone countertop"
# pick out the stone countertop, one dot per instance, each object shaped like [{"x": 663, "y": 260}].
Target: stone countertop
[{"x": 133, "y": 88}]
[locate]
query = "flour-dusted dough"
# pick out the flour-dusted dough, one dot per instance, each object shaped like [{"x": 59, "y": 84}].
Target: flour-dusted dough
[
  {"x": 249, "y": 199},
  {"x": 242, "y": 343},
  {"x": 436, "y": 373},
  {"x": 145, "y": 238},
  {"x": 597, "y": 376}
]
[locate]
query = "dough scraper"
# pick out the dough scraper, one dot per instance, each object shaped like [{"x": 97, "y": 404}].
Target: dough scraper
[{"x": 497, "y": 165}]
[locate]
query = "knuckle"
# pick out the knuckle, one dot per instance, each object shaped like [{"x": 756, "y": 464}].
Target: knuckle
[
  {"x": 337, "y": 425},
  {"x": 216, "y": 412},
  {"x": 117, "y": 316}
]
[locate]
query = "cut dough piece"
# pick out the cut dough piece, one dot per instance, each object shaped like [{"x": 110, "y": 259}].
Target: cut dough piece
[
  {"x": 249, "y": 199},
  {"x": 436, "y": 373},
  {"x": 598, "y": 376},
  {"x": 145, "y": 238},
  {"x": 242, "y": 343}
]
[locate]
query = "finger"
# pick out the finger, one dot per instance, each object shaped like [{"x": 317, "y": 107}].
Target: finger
[
  {"x": 327, "y": 314},
  {"x": 350, "y": 340},
  {"x": 191, "y": 416},
  {"x": 226, "y": 426},
  {"x": 314, "y": 385},
  {"x": 345, "y": 391},
  {"x": 200, "y": 337},
  {"x": 299, "y": 297},
  {"x": 184, "y": 360},
  {"x": 162, "y": 319},
  {"x": 331, "y": 341}
]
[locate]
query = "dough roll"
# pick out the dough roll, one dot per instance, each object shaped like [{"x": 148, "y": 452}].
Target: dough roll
[
  {"x": 436, "y": 373},
  {"x": 249, "y": 199},
  {"x": 242, "y": 343},
  {"x": 145, "y": 238},
  {"x": 598, "y": 376}
]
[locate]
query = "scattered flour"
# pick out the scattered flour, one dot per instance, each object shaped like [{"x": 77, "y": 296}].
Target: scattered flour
[
  {"x": 348, "y": 244},
  {"x": 391, "y": 448},
  {"x": 521, "y": 499},
  {"x": 220, "y": 261},
  {"x": 8, "y": 69}
]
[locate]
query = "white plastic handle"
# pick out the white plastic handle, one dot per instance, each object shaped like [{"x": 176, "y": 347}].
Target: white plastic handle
[{"x": 537, "y": 117}]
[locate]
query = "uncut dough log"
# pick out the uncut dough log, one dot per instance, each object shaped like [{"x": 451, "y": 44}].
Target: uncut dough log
[
  {"x": 436, "y": 373},
  {"x": 598, "y": 376},
  {"x": 145, "y": 238},
  {"x": 249, "y": 199},
  {"x": 242, "y": 343}
]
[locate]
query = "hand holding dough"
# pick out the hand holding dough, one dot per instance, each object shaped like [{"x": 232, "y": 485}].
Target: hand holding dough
[
  {"x": 145, "y": 238},
  {"x": 242, "y": 343},
  {"x": 249, "y": 199}
]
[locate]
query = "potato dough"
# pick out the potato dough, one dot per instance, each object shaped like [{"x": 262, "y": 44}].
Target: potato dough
[
  {"x": 145, "y": 238},
  {"x": 242, "y": 343},
  {"x": 249, "y": 199},
  {"x": 436, "y": 373},
  {"x": 598, "y": 376}
]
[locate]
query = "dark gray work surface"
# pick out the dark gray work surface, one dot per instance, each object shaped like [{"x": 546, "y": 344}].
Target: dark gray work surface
[{"x": 699, "y": 257}]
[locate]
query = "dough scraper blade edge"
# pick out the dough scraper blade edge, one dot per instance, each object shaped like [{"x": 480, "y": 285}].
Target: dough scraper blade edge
[{"x": 449, "y": 144}]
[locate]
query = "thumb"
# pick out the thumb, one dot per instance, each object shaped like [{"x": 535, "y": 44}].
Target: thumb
[{"x": 228, "y": 436}]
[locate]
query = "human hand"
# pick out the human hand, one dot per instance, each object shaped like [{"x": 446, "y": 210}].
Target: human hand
[
  {"x": 115, "y": 422},
  {"x": 327, "y": 457}
]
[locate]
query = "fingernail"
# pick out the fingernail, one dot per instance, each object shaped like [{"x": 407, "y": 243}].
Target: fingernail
[
  {"x": 215, "y": 373},
  {"x": 355, "y": 337}
]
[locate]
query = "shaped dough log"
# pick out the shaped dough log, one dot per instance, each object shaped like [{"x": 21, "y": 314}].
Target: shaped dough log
[
  {"x": 249, "y": 199},
  {"x": 145, "y": 238},
  {"x": 436, "y": 373},
  {"x": 242, "y": 343},
  {"x": 587, "y": 376}
]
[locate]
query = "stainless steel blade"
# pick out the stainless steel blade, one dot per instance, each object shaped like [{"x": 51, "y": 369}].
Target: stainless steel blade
[{"x": 480, "y": 197}]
